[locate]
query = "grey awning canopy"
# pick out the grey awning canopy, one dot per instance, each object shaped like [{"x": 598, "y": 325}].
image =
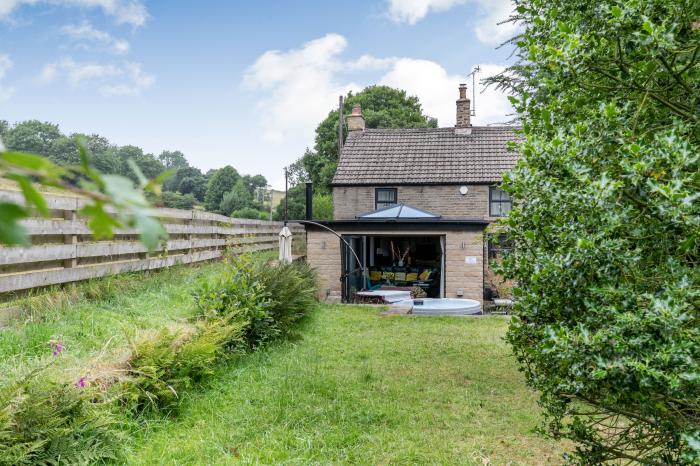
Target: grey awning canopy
[{"x": 399, "y": 211}]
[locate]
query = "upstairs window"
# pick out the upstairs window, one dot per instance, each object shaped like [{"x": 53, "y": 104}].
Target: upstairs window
[
  {"x": 385, "y": 197},
  {"x": 499, "y": 202}
]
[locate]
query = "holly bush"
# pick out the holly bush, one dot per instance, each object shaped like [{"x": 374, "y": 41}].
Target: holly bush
[{"x": 606, "y": 224}]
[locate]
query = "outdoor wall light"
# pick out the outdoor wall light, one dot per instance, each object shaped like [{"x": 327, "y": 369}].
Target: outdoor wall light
[
  {"x": 323, "y": 245},
  {"x": 464, "y": 245}
]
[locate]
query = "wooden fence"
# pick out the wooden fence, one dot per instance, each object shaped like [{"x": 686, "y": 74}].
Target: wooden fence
[{"x": 63, "y": 249}]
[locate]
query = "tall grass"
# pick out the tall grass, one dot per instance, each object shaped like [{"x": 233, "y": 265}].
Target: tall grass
[{"x": 45, "y": 419}]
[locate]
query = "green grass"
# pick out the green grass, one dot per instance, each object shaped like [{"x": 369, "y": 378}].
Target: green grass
[
  {"x": 359, "y": 388},
  {"x": 93, "y": 319},
  {"x": 354, "y": 388}
]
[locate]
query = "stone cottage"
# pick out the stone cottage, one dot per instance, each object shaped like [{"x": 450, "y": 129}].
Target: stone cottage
[{"x": 413, "y": 204}]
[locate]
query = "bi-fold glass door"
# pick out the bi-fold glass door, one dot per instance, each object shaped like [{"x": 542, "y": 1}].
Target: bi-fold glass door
[{"x": 352, "y": 277}]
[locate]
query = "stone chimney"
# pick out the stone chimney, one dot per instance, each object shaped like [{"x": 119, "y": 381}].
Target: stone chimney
[
  {"x": 356, "y": 122},
  {"x": 463, "y": 108}
]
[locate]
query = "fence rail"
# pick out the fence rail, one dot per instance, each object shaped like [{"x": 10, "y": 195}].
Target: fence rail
[{"x": 63, "y": 249}]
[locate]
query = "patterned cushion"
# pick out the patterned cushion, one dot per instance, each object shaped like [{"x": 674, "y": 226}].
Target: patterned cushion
[
  {"x": 387, "y": 275},
  {"x": 400, "y": 276}
]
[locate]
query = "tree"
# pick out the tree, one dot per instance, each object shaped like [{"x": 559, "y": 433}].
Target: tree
[
  {"x": 149, "y": 165},
  {"x": 606, "y": 224},
  {"x": 250, "y": 212},
  {"x": 236, "y": 199},
  {"x": 187, "y": 180},
  {"x": 253, "y": 182},
  {"x": 221, "y": 182},
  {"x": 36, "y": 137},
  {"x": 296, "y": 204},
  {"x": 382, "y": 107},
  {"x": 173, "y": 159},
  {"x": 322, "y": 207},
  {"x": 177, "y": 201}
]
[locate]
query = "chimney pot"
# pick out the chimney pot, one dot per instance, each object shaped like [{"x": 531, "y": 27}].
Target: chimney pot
[
  {"x": 356, "y": 122},
  {"x": 463, "y": 109}
]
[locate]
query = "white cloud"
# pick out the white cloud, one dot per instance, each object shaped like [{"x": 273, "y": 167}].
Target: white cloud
[
  {"x": 5, "y": 64},
  {"x": 487, "y": 27},
  {"x": 299, "y": 87},
  {"x": 131, "y": 12},
  {"x": 85, "y": 31},
  {"x": 412, "y": 11},
  {"x": 488, "y": 30},
  {"x": 109, "y": 79},
  {"x": 437, "y": 91}
]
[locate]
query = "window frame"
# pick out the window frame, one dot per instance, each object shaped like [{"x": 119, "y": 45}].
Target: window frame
[
  {"x": 508, "y": 201},
  {"x": 395, "y": 191},
  {"x": 498, "y": 247}
]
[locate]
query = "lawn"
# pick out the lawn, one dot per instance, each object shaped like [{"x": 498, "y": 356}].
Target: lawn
[
  {"x": 360, "y": 388},
  {"x": 354, "y": 387}
]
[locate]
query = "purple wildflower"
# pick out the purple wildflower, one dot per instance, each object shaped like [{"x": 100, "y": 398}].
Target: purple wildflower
[
  {"x": 80, "y": 383},
  {"x": 57, "y": 347}
]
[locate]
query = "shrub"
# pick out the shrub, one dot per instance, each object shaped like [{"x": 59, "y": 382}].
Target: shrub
[
  {"x": 176, "y": 200},
  {"x": 44, "y": 422},
  {"x": 606, "y": 225},
  {"x": 268, "y": 298},
  {"x": 249, "y": 212},
  {"x": 163, "y": 365}
]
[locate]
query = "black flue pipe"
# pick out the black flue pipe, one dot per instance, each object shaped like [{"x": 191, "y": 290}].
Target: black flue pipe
[{"x": 309, "y": 201}]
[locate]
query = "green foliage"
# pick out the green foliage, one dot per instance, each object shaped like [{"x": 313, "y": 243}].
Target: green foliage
[
  {"x": 114, "y": 190},
  {"x": 382, "y": 107},
  {"x": 176, "y": 200},
  {"x": 322, "y": 207},
  {"x": 250, "y": 212},
  {"x": 606, "y": 224},
  {"x": 43, "y": 422},
  {"x": 237, "y": 198},
  {"x": 296, "y": 198},
  {"x": 296, "y": 204},
  {"x": 173, "y": 159},
  {"x": 220, "y": 182},
  {"x": 269, "y": 299},
  {"x": 163, "y": 365}
]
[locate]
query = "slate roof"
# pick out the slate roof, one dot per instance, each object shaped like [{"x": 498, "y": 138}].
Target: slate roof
[{"x": 425, "y": 156}]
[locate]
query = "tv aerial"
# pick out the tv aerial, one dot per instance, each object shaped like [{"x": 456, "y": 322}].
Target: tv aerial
[{"x": 477, "y": 69}]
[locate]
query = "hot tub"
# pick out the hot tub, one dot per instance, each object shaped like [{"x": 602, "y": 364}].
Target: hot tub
[{"x": 443, "y": 306}]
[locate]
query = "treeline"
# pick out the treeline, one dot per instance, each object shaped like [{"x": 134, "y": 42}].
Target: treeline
[{"x": 221, "y": 190}]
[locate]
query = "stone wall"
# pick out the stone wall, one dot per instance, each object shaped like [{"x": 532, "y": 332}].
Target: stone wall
[
  {"x": 323, "y": 254},
  {"x": 350, "y": 201}
]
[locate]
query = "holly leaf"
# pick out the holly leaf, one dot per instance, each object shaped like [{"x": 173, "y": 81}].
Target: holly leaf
[
  {"x": 31, "y": 195},
  {"x": 11, "y": 232},
  {"x": 150, "y": 230},
  {"x": 100, "y": 222}
]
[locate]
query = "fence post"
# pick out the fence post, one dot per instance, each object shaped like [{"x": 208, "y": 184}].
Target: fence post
[{"x": 71, "y": 239}]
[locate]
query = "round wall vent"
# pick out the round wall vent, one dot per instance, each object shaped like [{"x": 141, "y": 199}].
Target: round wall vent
[{"x": 463, "y": 190}]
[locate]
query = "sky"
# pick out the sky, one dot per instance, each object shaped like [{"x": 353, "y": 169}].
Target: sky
[{"x": 241, "y": 83}]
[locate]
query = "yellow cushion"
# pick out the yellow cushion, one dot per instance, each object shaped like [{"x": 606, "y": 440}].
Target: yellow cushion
[
  {"x": 400, "y": 276},
  {"x": 375, "y": 275},
  {"x": 412, "y": 276},
  {"x": 425, "y": 275}
]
